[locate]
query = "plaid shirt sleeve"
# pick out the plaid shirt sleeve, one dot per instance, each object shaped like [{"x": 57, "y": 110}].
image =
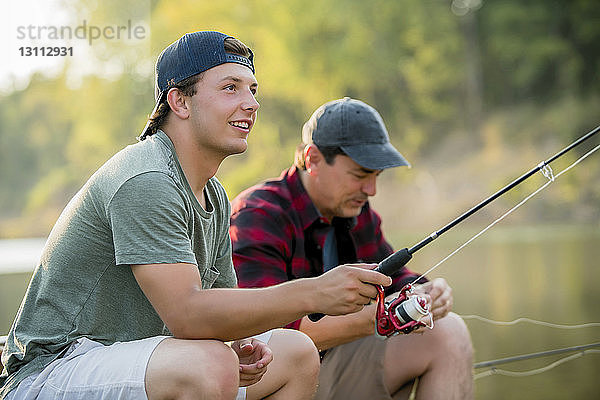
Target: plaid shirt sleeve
[
  {"x": 261, "y": 237},
  {"x": 261, "y": 247}
]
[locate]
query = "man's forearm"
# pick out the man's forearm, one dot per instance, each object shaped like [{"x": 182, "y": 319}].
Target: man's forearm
[
  {"x": 190, "y": 312},
  {"x": 230, "y": 314}
]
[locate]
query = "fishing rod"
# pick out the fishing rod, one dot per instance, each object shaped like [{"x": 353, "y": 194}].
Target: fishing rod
[
  {"x": 492, "y": 363},
  {"x": 394, "y": 263}
]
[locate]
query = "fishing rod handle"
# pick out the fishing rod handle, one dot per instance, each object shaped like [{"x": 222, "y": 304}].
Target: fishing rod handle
[
  {"x": 390, "y": 266},
  {"x": 394, "y": 263}
]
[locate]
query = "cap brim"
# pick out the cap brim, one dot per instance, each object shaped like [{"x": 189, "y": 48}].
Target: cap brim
[{"x": 376, "y": 156}]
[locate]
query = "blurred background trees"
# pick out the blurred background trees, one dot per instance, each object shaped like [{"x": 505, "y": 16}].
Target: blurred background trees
[{"x": 474, "y": 93}]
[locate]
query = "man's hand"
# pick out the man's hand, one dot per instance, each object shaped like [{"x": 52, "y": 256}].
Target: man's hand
[
  {"x": 440, "y": 294},
  {"x": 254, "y": 357},
  {"x": 348, "y": 288}
]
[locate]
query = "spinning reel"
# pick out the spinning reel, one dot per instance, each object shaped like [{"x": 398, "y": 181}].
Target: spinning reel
[{"x": 404, "y": 314}]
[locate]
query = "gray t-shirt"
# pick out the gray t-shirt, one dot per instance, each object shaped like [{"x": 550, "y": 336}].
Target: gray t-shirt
[{"x": 138, "y": 208}]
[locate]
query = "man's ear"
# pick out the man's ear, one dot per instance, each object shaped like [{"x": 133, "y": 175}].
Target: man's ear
[
  {"x": 178, "y": 104},
  {"x": 313, "y": 159}
]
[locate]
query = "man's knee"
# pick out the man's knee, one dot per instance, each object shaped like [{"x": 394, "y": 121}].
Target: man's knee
[
  {"x": 307, "y": 353},
  {"x": 294, "y": 371},
  {"x": 300, "y": 349},
  {"x": 188, "y": 368},
  {"x": 297, "y": 355},
  {"x": 456, "y": 336}
]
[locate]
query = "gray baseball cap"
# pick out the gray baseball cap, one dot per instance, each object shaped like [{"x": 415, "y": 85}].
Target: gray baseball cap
[{"x": 355, "y": 127}]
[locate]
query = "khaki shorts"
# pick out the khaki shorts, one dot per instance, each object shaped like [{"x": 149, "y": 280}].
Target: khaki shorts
[
  {"x": 92, "y": 371},
  {"x": 354, "y": 371}
]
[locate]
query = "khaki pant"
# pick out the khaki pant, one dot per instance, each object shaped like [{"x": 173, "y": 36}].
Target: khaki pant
[{"x": 354, "y": 371}]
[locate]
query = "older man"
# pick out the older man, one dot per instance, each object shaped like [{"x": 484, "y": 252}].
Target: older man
[{"x": 315, "y": 216}]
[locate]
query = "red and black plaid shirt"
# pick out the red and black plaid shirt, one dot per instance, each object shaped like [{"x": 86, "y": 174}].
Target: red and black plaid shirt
[{"x": 278, "y": 235}]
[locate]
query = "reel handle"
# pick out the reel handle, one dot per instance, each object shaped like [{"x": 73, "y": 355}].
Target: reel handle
[{"x": 389, "y": 266}]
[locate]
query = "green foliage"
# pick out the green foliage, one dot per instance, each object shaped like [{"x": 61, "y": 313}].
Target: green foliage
[
  {"x": 470, "y": 93},
  {"x": 540, "y": 49}
]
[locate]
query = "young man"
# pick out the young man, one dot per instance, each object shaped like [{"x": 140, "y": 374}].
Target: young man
[
  {"x": 316, "y": 216},
  {"x": 134, "y": 295}
]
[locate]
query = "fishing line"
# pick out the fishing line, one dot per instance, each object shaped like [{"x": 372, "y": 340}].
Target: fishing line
[
  {"x": 392, "y": 264},
  {"x": 531, "y": 321},
  {"x": 396, "y": 261},
  {"x": 547, "y": 172}
]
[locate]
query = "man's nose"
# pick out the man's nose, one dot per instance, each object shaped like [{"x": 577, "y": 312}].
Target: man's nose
[
  {"x": 370, "y": 186},
  {"x": 250, "y": 103}
]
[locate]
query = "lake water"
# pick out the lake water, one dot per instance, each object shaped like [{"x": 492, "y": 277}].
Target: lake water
[{"x": 550, "y": 274}]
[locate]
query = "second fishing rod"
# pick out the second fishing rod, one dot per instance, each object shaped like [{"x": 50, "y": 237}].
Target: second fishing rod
[{"x": 396, "y": 261}]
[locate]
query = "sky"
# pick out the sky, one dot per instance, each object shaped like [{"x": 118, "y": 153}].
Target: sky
[
  {"x": 35, "y": 26},
  {"x": 16, "y": 70}
]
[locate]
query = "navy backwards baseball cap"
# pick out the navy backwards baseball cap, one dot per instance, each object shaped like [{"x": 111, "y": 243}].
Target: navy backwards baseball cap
[
  {"x": 358, "y": 129},
  {"x": 192, "y": 54}
]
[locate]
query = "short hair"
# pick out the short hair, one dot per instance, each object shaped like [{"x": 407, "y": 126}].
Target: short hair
[
  {"x": 188, "y": 88},
  {"x": 329, "y": 154}
]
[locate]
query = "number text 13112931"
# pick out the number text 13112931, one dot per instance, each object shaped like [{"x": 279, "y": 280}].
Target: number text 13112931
[{"x": 46, "y": 51}]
